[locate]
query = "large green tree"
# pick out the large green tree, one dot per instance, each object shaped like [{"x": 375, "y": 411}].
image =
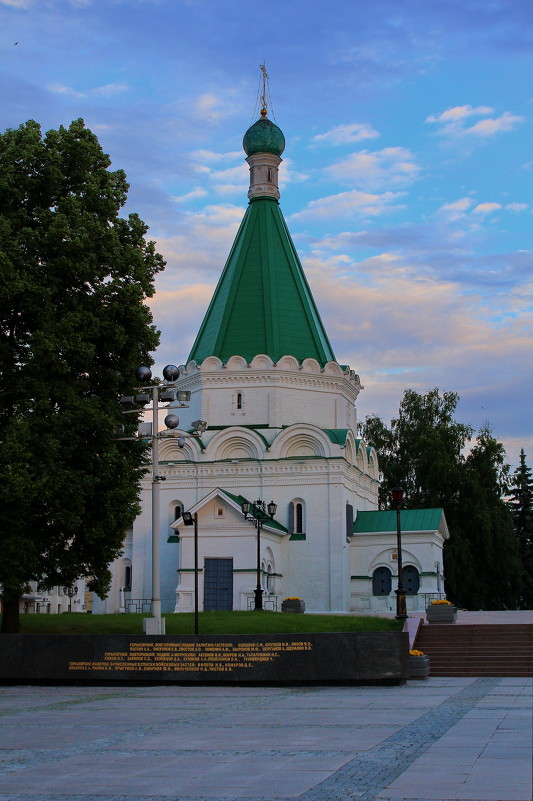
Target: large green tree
[
  {"x": 425, "y": 451},
  {"x": 521, "y": 505},
  {"x": 73, "y": 327}
]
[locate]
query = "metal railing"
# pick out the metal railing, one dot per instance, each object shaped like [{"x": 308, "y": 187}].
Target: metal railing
[
  {"x": 270, "y": 603},
  {"x": 138, "y": 605},
  {"x": 432, "y": 596}
]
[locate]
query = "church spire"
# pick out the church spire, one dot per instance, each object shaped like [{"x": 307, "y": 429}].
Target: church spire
[{"x": 263, "y": 303}]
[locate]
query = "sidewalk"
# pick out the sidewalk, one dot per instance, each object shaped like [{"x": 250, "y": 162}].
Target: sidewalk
[{"x": 438, "y": 739}]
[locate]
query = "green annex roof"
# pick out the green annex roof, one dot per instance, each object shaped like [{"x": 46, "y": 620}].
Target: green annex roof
[
  {"x": 262, "y": 303},
  {"x": 410, "y": 520}
]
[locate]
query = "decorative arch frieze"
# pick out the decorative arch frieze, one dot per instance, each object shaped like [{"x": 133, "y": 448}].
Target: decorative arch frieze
[
  {"x": 301, "y": 440},
  {"x": 261, "y": 362},
  {"x": 235, "y": 442},
  {"x": 311, "y": 366},
  {"x": 236, "y": 363},
  {"x": 211, "y": 363},
  {"x": 332, "y": 368},
  {"x": 169, "y": 450},
  {"x": 289, "y": 363}
]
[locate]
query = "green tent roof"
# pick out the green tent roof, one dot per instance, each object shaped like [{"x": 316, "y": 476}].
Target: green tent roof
[
  {"x": 410, "y": 520},
  {"x": 262, "y": 303}
]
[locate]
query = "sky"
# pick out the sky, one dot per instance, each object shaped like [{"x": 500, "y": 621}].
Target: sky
[{"x": 405, "y": 183}]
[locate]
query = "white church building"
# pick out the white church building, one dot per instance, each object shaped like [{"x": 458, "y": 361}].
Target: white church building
[{"x": 281, "y": 420}]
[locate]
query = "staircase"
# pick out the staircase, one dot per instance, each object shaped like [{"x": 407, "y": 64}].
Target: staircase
[{"x": 477, "y": 650}]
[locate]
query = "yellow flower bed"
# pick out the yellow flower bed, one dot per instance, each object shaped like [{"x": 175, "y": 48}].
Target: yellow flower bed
[
  {"x": 293, "y": 598},
  {"x": 441, "y": 603},
  {"x": 414, "y": 652}
]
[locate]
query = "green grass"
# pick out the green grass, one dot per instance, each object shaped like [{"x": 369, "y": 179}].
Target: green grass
[{"x": 209, "y": 623}]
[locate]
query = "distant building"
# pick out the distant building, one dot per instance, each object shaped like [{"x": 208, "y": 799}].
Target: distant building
[{"x": 282, "y": 426}]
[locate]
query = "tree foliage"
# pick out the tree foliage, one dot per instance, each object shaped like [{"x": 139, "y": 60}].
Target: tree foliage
[
  {"x": 521, "y": 505},
  {"x": 73, "y": 328},
  {"x": 423, "y": 451}
]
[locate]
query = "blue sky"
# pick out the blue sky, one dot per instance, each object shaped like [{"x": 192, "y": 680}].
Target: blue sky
[{"x": 406, "y": 180}]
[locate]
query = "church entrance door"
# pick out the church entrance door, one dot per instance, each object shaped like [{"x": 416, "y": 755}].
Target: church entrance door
[{"x": 218, "y": 585}]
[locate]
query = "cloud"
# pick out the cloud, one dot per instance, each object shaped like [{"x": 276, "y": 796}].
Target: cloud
[
  {"x": 107, "y": 90},
  {"x": 211, "y": 108},
  {"x": 457, "y": 209},
  {"x": 210, "y": 155},
  {"x": 458, "y": 113},
  {"x": 195, "y": 193},
  {"x": 392, "y": 166},
  {"x": 197, "y": 247},
  {"x": 492, "y": 126},
  {"x": 453, "y": 122},
  {"x": 486, "y": 208},
  {"x": 398, "y": 330},
  {"x": 346, "y": 134},
  {"x": 348, "y": 204},
  {"x": 517, "y": 206},
  {"x": 16, "y": 3}
]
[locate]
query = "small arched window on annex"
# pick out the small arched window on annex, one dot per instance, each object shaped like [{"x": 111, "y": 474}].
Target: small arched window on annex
[
  {"x": 411, "y": 579},
  {"x": 269, "y": 579},
  {"x": 381, "y": 581},
  {"x": 296, "y": 525},
  {"x": 126, "y": 575},
  {"x": 175, "y": 511}
]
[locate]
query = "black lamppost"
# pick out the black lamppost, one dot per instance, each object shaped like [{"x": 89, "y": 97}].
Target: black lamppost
[
  {"x": 70, "y": 592},
  {"x": 401, "y": 608},
  {"x": 190, "y": 519},
  {"x": 258, "y": 512}
]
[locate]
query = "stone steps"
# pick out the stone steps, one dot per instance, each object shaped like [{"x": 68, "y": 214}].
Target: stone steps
[{"x": 477, "y": 650}]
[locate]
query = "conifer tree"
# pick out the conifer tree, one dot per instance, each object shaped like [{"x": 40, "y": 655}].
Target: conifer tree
[
  {"x": 73, "y": 328},
  {"x": 521, "y": 505}
]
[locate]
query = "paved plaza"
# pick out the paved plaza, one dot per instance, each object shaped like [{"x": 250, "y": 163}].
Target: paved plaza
[{"x": 439, "y": 738}]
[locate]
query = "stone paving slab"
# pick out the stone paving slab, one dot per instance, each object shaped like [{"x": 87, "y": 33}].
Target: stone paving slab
[{"x": 438, "y": 739}]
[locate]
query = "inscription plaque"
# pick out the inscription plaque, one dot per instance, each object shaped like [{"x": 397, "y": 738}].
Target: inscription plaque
[{"x": 372, "y": 656}]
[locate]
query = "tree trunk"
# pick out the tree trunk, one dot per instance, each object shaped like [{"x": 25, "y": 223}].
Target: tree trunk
[{"x": 10, "y": 615}]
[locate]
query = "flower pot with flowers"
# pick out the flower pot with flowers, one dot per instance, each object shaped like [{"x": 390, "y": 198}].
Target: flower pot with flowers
[
  {"x": 293, "y": 604},
  {"x": 441, "y": 612},
  {"x": 418, "y": 665}
]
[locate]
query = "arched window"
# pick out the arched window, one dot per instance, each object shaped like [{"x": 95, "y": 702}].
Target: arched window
[
  {"x": 270, "y": 579},
  {"x": 411, "y": 580},
  {"x": 237, "y": 403},
  {"x": 299, "y": 522},
  {"x": 381, "y": 581},
  {"x": 177, "y": 511},
  {"x": 127, "y": 577},
  {"x": 297, "y": 519}
]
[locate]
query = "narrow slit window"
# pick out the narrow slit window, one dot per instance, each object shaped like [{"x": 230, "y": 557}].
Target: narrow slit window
[{"x": 299, "y": 518}]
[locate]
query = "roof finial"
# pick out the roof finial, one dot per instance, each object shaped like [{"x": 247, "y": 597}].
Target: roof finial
[{"x": 265, "y": 92}]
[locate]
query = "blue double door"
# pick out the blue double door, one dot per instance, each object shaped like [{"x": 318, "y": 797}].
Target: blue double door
[{"x": 218, "y": 585}]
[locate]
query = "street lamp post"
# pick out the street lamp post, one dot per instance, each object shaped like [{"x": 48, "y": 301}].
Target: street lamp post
[
  {"x": 258, "y": 512},
  {"x": 190, "y": 519},
  {"x": 401, "y": 608},
  {"x": 156, "y": 624}
]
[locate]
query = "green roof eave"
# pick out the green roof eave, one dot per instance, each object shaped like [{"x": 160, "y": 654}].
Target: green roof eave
[
  {"x": 337, "y": 435},
  {"x": 262, "y": 303}
]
